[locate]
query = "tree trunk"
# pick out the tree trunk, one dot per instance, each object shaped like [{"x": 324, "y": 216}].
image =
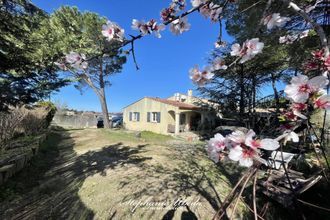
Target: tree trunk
[
  {"x": 253, "y": 95},
  {"x": 100, "y": 92},
  {"x": 277, "y": 99},
  {"x": 103, "y": 99},
  {"x": 104, "y": 107},
  {"x": 242, "y": 91}
]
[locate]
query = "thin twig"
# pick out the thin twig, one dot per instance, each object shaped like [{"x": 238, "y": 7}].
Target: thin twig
[
  {"x": 321, "y": 145},
  {"x": 317, "y": 156},
  {"x": 134, "y": 38},
  {"x": 251, "y": 210},
  {"x": 251, "y": 6},
  {"x": 133, "y": 54},
  {"x": 286, "y": 171},
  {"x": 240, "y": 193},
  {"x": 222, "y": 209},
  {"x": 315, "y": 206},
  {"x": 254, "y": 197},
  {"x": 319, "y": 30}
]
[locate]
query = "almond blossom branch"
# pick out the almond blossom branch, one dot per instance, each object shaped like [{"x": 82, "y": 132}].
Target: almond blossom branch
[
  {"x": 319, "y": 30},
  {"x": 134, "y": 38},
  {"x": 133, "y": 54}
]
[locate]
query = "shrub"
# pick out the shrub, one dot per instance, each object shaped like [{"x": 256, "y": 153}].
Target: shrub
[{"x": 25, "y": 121}]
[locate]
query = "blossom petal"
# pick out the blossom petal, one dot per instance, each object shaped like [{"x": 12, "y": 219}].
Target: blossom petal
[
  {"x": 249, "y": 137},
  {"x": 235, "y": 153},
  {"x": 301, "y": 79},
  {"x": 246, "y": 162},
  {"x": 237, "y": 136},
  {"x": 269, "y": 144},
  {"x": 318, "y": 82}
]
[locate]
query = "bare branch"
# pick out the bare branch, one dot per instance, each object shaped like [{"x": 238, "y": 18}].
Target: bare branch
[{"x": 319, "y": 30}]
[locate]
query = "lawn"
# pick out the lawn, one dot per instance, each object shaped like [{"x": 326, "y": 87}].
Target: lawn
[{"x": 102, "y": 174}]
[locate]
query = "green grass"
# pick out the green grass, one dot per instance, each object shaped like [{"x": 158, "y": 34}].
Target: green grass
[
  {"x": 146, "y": 136},
  {"x": 155, "y": 138}
]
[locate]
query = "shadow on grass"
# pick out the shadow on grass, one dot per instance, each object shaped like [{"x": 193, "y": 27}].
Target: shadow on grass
[
  {"x": 178, "y": 182},
  {"x": 48, "y": 188}
]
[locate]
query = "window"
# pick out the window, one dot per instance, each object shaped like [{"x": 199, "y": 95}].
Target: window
[
  {"x": 153, "y": 117},
  {"x": 134, "y": 116}
]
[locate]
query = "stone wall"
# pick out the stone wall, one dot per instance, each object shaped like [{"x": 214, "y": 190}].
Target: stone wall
[{"x": 76, "y": 121}]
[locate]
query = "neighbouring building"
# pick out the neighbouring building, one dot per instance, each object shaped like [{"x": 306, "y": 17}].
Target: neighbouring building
[
  {"x": 178, "y": 113},
  {"x": 80, "y": 119}
]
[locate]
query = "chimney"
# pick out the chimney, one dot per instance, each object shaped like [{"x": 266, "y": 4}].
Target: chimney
[
  {"x": 177, "y": 97},
  {"x": 190, "y": 94}
]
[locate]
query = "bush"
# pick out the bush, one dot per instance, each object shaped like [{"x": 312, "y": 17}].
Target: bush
[{"x": 24, "y": 121}]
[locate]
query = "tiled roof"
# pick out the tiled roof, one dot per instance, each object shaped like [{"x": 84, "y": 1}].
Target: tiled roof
[{"x": 181, "y": 105}]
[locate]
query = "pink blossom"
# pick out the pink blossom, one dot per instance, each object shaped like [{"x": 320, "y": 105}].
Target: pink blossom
[
  {"x": 218, "y": 64},
  {"x": 197, "y": 3},
  {"x": 299, "y": 114},
  {"x": 310, "y": 8},
  {"x": 212, "y": 11},
  {"x": 301, "y": 87},
  {"x": 249, "y": 49},
  {"x": 179, "y": 26},
  {"x": 327, "y": 63},
  {"x": 61, "y": 65},
  {"x": 275, "y": 20},
  {"x": 240, "y": 138},
  {"x": 179, "y": 4},
  {"x": 290, "y": 115},
  {"x": 318, "y": 54},
  {"x": 148, "y": 28},
  {"x": 323, "y": 102},
  {"x": 140, "y": 26},
  {"x": 215, "y": 11},
  {"x": 155, "y": 28},
  {"x": 216, "y": 145},
  {"x": 243, "y": 156},
  {"x": 297, "y": 108},
  {"x": 200, "y": 77},
  {"x": 311, "y": 65},
  {"x": 112, "y": 31},
  {"x": 245, "y": 149},
  {"x": 167, "y": 14},
  {"x": 288, "y": 39},
  {"x": 76, "y": 60}
]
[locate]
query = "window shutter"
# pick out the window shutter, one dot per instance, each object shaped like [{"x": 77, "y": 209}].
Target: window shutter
[
  {"x": 130, "y": 116},
  {"x": 148, "y": 116},
  {"x": 158, "y": 117},
  {"x": 138, "y": 116}
]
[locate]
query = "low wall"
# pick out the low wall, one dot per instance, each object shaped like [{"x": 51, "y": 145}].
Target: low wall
[
  {"x": 19, "y": 157},
  {"x": 75, "y": 121}
]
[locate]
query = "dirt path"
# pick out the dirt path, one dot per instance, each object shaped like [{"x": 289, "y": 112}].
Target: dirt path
[{"x": 95, "y": 174}]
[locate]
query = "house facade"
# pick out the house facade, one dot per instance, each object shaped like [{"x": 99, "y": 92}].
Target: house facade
[{"x": 178, "y": 113}]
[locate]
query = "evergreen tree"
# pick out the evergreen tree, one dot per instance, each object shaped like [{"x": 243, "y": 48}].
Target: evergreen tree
[{"x": 81, "y": 33}]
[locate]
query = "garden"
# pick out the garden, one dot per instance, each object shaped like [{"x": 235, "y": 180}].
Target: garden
[{"x": 272, "y": 162}]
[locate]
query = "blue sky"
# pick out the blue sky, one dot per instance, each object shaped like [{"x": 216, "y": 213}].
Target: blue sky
[{"x": 164, "y": 63}]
